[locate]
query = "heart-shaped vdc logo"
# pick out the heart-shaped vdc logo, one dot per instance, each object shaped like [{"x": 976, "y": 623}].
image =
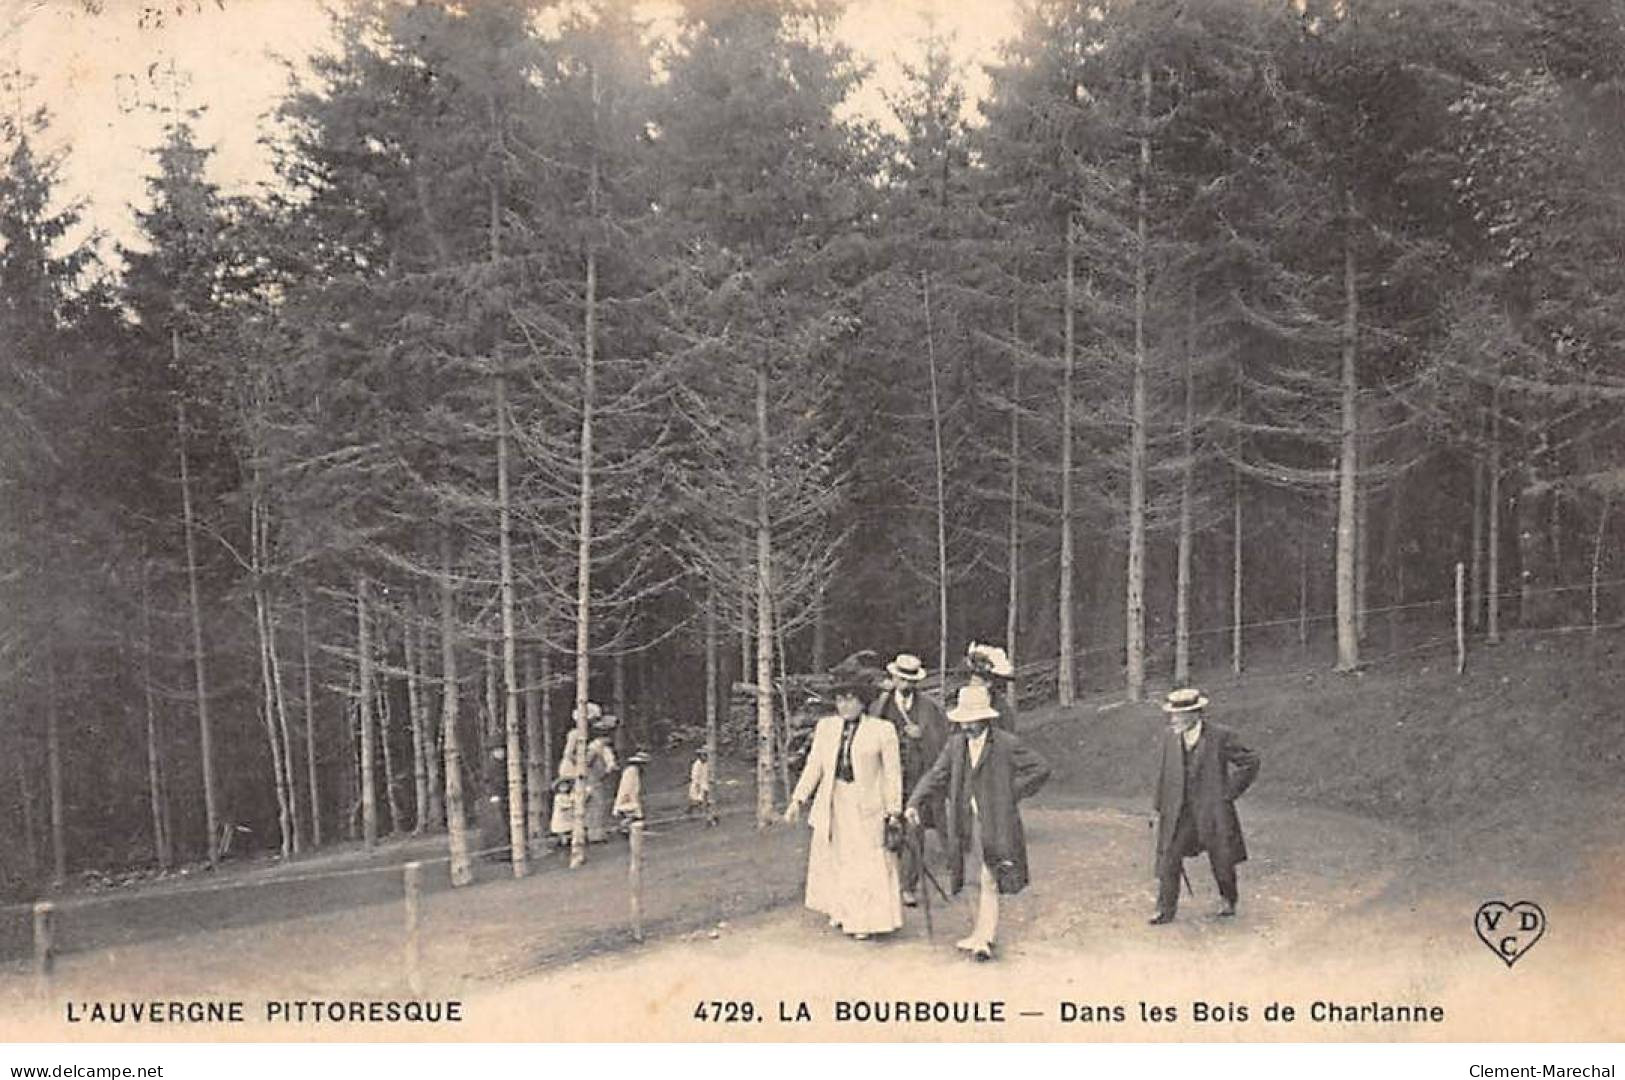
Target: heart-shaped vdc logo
[{"x": 1510, "y": 930}]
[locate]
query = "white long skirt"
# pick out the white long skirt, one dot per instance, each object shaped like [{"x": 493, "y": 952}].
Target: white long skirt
[{"x": 851, "y": 877}]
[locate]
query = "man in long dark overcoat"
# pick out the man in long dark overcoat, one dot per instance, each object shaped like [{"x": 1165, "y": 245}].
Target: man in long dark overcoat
[
  {"x": 984, "y": 772},
  {"x": 922, "y": 732},
  {"x": 1203, "y": 768}
]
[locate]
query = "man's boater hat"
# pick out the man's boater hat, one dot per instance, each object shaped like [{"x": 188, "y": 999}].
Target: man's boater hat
[
  {"x": 1187, "y": 700},
  {"x": 907, "y": 668}
]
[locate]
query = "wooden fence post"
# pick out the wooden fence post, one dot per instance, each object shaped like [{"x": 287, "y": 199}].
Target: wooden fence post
[
  {"x": 1461, "y": 625},
  {"x": 414, "y": 954},
  {"x": 44, "y": 945},
  {"x": 634, "y": 879}
]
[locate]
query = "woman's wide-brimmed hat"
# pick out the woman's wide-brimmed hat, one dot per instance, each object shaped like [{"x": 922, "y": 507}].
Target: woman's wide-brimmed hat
[
  {"x": 1188, "y": 699},
  {"x": 989, "y": 660},
  {"x": 702, "y": 750},
  {"x": 853, "y": 677},
  {"x": 595, "y": 713},
  {"x": 973, "y": 704},
  {"x": 638, "y": 758},
  {"x": 907, "y": 668}
]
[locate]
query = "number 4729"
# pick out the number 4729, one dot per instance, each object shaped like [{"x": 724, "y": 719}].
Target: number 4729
[{"x": 725, "y": 1012}]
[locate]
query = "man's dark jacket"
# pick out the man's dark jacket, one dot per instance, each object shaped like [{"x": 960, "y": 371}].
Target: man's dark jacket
[
  {"x": 1221, "y": 770},
  {"x": 918, "y": 753},
  {"x": 1007, "y": 773}
]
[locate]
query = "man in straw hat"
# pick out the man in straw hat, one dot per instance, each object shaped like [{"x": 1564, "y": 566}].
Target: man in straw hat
[
  {"x": 985, "y": 772},
  {"x": 1203, "y": 770},
  {"x": 922, "y": 731},
  {"x": 629, "y": 792}
]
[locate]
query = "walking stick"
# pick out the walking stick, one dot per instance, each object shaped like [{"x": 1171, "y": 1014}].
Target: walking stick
[
  {"x": 1183, "y": 875},
  {"x": 916, "y": 838},
  {"x": 1151, "y": 823}
]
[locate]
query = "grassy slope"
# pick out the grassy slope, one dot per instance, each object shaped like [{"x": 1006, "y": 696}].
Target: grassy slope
[{"x": 1519, "y": 757}]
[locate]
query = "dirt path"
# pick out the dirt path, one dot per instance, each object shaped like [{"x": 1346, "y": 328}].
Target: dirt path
[
  {"x": 1334, "y": 908},
  {"x": 348, "y": 939},
  {"x": 1333, "y": 911}
]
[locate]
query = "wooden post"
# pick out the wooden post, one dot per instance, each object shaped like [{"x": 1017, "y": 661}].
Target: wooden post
[
  {"x": 44, "y": 944},
  {"x": 634, "y": 879},
  {"x": 414, "y": 953},
  {"x": 1461, "y": 623}
]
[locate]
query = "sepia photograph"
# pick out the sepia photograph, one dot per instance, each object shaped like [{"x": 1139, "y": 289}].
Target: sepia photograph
[{"x": 762, "y": 521}]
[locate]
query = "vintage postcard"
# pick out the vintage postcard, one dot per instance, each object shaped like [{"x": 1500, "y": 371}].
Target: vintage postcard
[{"x": 801, "y": 521}]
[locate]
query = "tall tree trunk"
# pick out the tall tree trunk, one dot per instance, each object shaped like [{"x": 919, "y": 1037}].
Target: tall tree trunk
[
  {"x": 1475, "y": 603},
  {"x": 764, "y": 612},
  {"x": 589, "y": 356},
  {"x": 618, "y": 687},
  {"x": 820, "y": 628},
  {"x": 262, "y": 632},
  {"x": 941, "y": 486},
  {"x": 386, "y": 741},
  {"x": 421, "y": 751},
  {"x": 352, "y": 734},
  {"x": 462, "y": 872},
  {"x": 1235, "y": 580},
  {"x": 1187, "y": 479},
  {"x": 1065, "y": 676},
  {"x": 1362, "y": 552},
  {"x": 535, "y": 756},
  {"x": 283, "y": 731},
  {"x": 1492, "y": 629},
  {"x": 547, "y": 718},
  {"x": 1135, "y": 588},
  {"x": 490, "y": 716},
  {"x": 1348, "y": 641},
  {"x": 747, "y": 609},
  {"x": 268, "y": 715},
  {"x": 363, "y": 637},
  {"x": 431, "y": 731},
  {"x": 512, "y": 726},
  {"x": 162, "y": 849},
  {"x": 1012, "y": 600},
  {"x": 782, "y": 725},
  {"x": 211, "y": 806},
  {"x": 53, "y": 758},
  {"x": 310, "y": 725},
  {"x": 713, "y": 711}
]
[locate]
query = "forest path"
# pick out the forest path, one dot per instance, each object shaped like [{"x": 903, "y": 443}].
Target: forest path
[
  {"x": 1090, "y": 861},
  {"x": 1334, "y": 908}
]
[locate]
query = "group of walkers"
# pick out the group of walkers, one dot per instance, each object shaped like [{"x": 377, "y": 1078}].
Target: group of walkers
[
  {"x": 583, "y": 779},
  {"x": 891, "y": 765},
  {"x": 964, "y": 772}
]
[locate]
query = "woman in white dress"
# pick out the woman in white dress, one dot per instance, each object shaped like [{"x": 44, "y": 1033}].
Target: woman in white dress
[
  {"x": 854, "y": 779},
  {"x": 590, "y": 770}
]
